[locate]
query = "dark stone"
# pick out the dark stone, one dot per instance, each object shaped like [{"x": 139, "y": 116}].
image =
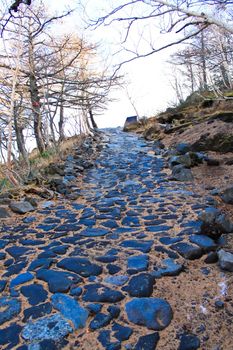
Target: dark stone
[
  {"x": 2, "y": 285},
  {"x": 188, "y": 251},
  {"x": 53, "y": 327},
  {"x": 121, "y": 333},
  {"x": 10, "y": 307},
  {"x": 204, "y": 242},
  {"x": 94, "y": 232},
  {"x": 21, "y": 207},
  {"x": 4, "y": 213},
  {"x": 106, "y": 258},
  {"x": 58, "y": 281},
  {"x": 180, "y": 173},
  {"x": 112, "y": 269},
  {"x": 104, "y": 339},
  {"x": 147, "y": 342},
  {"x": 141, "y": 245},
  {"x": 70, "y": 309},
  {"x": 189, "y": 342},
  {"x": 20, "y": 279},
  {"x": 140, "y": 285},
  {"x": 38, "y": 311},
  {"x": 81, "y": 266},
  {"x": 227, "y": 195},
  {"x": 94, "y": 308},
  {"x": 10, "y": 335},
  {"x": 211, "y": 258},
  {"x": 35, "y": 293},
  {"x": 168, "y": 268},
  {"x": 225, "y": 260},
  {"x": 153, "y": 313},
  {"x": 3, "y": 243},
  {"x": 170, "y": 240},
  {"x": 100, "y": 293},
  {"x": 219, "y": 304},
  {"x": 183, "y": 148},
  {"x": 100, "y": 320},
  {"x": 17, "y": 252},
  {"x": 42, "y": 263},
  {"x": 212, "y": 162},
  {"x": 15, "y": 269}
]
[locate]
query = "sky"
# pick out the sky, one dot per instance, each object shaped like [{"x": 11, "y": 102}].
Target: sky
[{"x": 148, "y": 80}]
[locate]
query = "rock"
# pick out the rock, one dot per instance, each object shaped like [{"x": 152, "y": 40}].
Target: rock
[
  {"x": 35, "y": 293},
  {"x": 121, "y": 333},
  {"x": 221, "y": 141},
  {"x": 204, "y": 242},
  {"x": 180, "y": 173},
  {"x": 21, "y": 207},
  {"x": 187, "y": 250},
  {"x": 152, "y": 313},
  {"x": 114, "y": 311},
  {"x": 10, "y": 336},
  {"x": 20, "y": 279},
  {"x": 212, "y": 162},
  {"x": 4, "y": 213},
  {"x": 140, "y": 285},
  {"x": 70, "y": 309},
  {"x": 9, "y": 308},
  {"x": 183, "y": 148},
  {"x": 131, "y": 123},
  {"x": 138, "y": 262},
  {"x": 147, "y": 342},
  {"x": 214, "y": 223},
  {"x": 104, "y": 339},
  {"x": 2, "y": 285},
  {"x": 58, "y": 281},
  {"x": 53, "y": 327},
  {"x": 168, "y": 268},
  {"x": 141, "y": 245},
  {"x": 184, "y": 160},
  {"x": 119, "y": 280},
  {"x": 94, "y": 232},
  {"x": 37, "y": 311},
  {"x": 100, "y": 293},
  {"x": 189, "y": 342},
  {"x": 99, "y": 321},
  {"x": 225, "y": 260},
  {"x": 227, "y": 195},
  {"x": 211, "y": 258},
  {"x": 81, "y": 266}
]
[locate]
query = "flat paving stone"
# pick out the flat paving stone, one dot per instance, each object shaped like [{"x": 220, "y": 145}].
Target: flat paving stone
[
  {"x": 141, "y": 245},
  {"x": 140, "y": 285},
  {"x": 147, "y": 342},
  {"x": 58, "y": 281},
  {"x": 81, "y": 266},
  {"x": 35, "y": 293},
  {"x": 187, "y": 250},
  {"x": 152, "y": 313},
  {"x": 138, "y": 262},
  {"x": 53, "y": 327},
  {"x": 9, "y": 308},
  {"x": 70, "y": 309},
  {"x": 100, "y": 293}
]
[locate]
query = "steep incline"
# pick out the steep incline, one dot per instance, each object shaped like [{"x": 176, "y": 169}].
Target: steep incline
[{"x": 122, "y": 267}]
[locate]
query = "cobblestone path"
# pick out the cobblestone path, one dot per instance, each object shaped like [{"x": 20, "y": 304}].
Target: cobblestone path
[{"x": 120, "y": 268}]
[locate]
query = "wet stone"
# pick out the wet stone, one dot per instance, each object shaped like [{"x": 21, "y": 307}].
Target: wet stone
[
  {"x": 20, "y": 279},
  {"x": 100, "y": 320},
  {"x": 168, "y": 267},
  {"x": 121, "y": 333},
  {"x": 100, "y": 293},
  {"x": 189, "y": 342},
  {"x": 118, "y": 280},
  {"x": 35, "y": 293},
  {"x": 2, "y": 285},
  {"x": 81, "y": 266},
  {"x": 187, "y": 250},
  {"x": 147, "y": 342},
  {"x": 141, "y": 245},
  {"x": 58, "y": 281},
  {"x": 10, "y": 307},
  {"x": 37, "y": 311},
  {"x": 53, "y": 327},
  {"x": 70, "y": 309},
  {"x": 94, "y": 232},
  {"x": 10, "y": 335},
  {"x": 152, "y": 313},
  {"x": 138, "y": 262},
  {"x": 140, "y": 285},
  {"x": 205, "y": 242}
]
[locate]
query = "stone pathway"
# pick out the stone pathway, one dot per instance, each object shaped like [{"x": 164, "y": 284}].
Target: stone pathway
[{"x": 113, "y": 269}]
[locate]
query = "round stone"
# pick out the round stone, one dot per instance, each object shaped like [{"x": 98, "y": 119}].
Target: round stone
[{"x": 152, "y": 313}]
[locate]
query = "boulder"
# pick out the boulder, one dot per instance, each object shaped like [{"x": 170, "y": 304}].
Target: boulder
[
  {"x": 4, "y": 213},
  {"x": 214, "y": 223},
  {"x": 180, "y": 173},
  {"x": 227, "y": 195},
  {"x": 21, "y": 207},
  {"x": 225, "y": 260}
]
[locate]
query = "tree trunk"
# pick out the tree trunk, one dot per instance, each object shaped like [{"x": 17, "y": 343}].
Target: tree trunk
[
  {"x": 35, "y": 101},
  {"x": 19, "y": 137},
  {"x": 61, "y": 124},
  {"x": 93, "y": 122}
]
